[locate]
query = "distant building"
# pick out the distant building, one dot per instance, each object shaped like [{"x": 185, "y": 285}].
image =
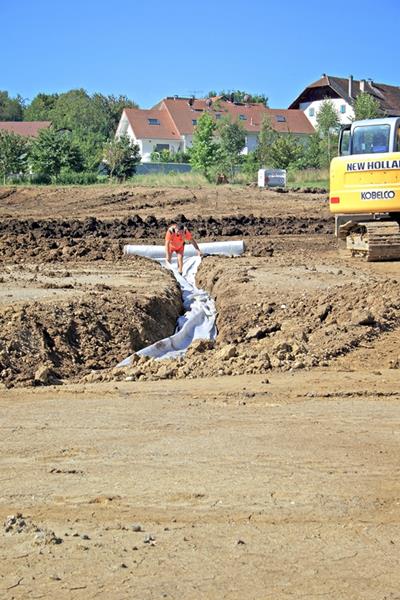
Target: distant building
[
  {"x": 24, "y": 128},
  {"x": 343, "y": 92},
  {"x": 171, "y": 123}
]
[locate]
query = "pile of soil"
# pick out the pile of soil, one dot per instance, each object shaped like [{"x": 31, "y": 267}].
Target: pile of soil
[
  {"x": 300, "y": 326},
  {"x": 43, "y": 343},
  {"x": 58, "y": 240},
  {"x": 260, "y": 330}
]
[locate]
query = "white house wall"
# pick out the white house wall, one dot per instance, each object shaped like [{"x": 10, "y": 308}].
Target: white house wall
[
  {"x": 251, "y": 143},
  {"x": 124, "y": 128},
  {"x": 187, "y": 141},
  {"x": 313, "y": 107}
]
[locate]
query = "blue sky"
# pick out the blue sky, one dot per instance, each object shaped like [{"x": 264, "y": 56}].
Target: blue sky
[{"x": 148, "y": 50}]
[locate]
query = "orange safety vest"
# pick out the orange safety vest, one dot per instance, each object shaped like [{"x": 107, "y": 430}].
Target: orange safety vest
[{"x": 176, "y": 239}]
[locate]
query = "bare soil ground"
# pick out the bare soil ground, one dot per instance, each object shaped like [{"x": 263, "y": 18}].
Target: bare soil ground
[{"x": 265, "y": 466}]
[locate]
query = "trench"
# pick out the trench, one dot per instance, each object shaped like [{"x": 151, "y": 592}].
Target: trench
[{"x": 199, "y": 318}]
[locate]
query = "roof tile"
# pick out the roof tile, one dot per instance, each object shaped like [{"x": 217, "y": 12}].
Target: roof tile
[{"x": 24, "y": 128}]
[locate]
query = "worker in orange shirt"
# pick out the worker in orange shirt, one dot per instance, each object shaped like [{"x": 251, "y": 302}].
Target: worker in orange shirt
[{"x": 175, "y": 239}]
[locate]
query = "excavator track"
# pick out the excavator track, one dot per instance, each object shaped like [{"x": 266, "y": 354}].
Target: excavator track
[{"x": 376, "y": 240}]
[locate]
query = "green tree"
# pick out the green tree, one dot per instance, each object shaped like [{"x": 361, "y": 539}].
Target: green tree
[
  {"x": 366, "y": 107},
  {"x": 327, "y": 117},
  {"x": 41, "y": 107},
  {"x": 91, "y": 147},
  {"x": 75, "y": 111},
  {"x": 328, "y": 125},
  {"x": 13, "y": 154},
  {"x": 266, "y": 139},
  {"x": 121, "y": 156},
  {"x": 310, "y": 155},
  {"x": 113, "y": 106},
  {"x": 205, "y": 152},
  {"x": 53, "y": 151},
  {"x": 11, "y": 109},
  {"x": 233, "y": 140},
  {"x": 251, "y": 164},
  {"x": 92, "y": 120},
  {"x": 285, "y": 151},
  {"x": 240, "y": 96},
  {"x": 82, "y": 114}
]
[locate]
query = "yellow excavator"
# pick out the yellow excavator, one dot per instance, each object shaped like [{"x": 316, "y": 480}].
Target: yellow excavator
[{"x": 365, "y": 188}]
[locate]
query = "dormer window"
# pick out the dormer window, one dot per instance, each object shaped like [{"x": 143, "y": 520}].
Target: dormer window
[
  {"x": 153, "y": 121},
  {"x": 280, "y": 119}
]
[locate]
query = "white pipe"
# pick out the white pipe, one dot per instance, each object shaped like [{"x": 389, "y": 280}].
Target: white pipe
[{"x": 231, "y": 248}]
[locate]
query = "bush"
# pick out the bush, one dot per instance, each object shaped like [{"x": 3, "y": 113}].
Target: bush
[
  {"x": 250, "y": 166},
  {"x": 73, "y": 178},
  {"x": 65, "y": 178},
  {"x": 165, "y": 156},
  {"x": 35, "y": 179},
  {"x": 53, "y": 151}
]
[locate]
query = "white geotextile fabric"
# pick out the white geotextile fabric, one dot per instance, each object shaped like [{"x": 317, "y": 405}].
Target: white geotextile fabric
[{"x": 198, "y": 321}]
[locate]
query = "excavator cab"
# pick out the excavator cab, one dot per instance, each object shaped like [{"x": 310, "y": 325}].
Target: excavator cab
[{"x": 365, "y": 188}]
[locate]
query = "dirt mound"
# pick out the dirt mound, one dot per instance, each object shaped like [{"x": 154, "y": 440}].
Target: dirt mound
[
  {"x": 301, "y": 324},
  {"x": 306, "y": 324},
  {"x": 151, "y": 226},
  {"x": 59, "y": 240},
  {"x": 42, "y": 343}
]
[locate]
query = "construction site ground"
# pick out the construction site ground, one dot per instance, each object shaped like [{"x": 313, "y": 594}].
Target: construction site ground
[{"x": 265, "y": 466}]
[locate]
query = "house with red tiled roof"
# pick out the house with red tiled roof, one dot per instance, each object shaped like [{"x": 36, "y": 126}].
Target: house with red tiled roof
[
  {"x": 24, "y": 128},
  {"x": 343, "y": 92},
  {"x": 171, "y": 123}
]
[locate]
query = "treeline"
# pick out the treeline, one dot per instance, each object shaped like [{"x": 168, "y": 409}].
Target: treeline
[
  {"x": 91, "y": 120},
  {"x": 55, "y": 157},
  {"x": 240, "y": 96},
  {"x": 82, "y": 140}
]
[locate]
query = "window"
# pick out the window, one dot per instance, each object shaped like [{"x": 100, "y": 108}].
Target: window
[
  {"x": 218, "y": 115},
  {"x": 243, "y": 117},
  {"x": 344, "y": 142},
  {"x": 311, "y": 112},
  {"x": 371, "y": 138},
  {"x": 161, "y": 147},
  {"x": 153, "y": 121},
  {"x": 342, "y": 108},
  {"x": 280, "y": 119},
  {"x": 194, "y": 121},
  {"x": 398, "y": 140}
]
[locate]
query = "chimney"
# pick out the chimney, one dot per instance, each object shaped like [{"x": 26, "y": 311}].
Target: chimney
[
  {"x": 350, "y": 86},
  {"x": 362, "y": 85}
]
